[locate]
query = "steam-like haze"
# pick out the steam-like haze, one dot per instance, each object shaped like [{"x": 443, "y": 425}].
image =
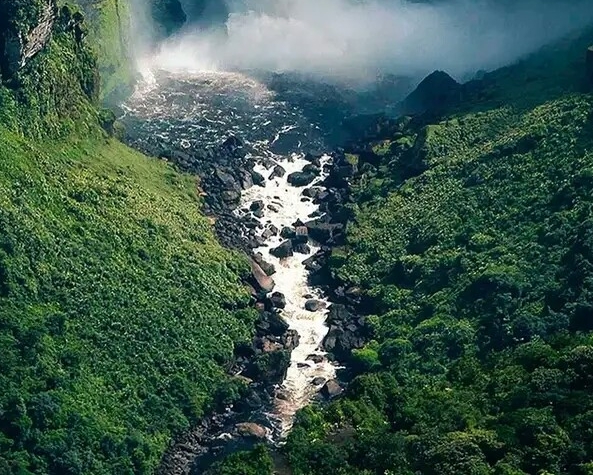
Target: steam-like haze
[{"x": 357, "y": 40}]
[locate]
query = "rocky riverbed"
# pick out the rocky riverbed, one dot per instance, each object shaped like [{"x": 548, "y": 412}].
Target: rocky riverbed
[{"x": 276, "y": 187}]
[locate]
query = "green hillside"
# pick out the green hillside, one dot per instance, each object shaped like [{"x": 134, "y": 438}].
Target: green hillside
[
  {"x": 118, "y": 308},
  {"x": 477, "y": 273}
]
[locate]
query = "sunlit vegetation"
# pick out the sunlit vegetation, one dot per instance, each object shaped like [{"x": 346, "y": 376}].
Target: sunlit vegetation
[
  {"x": 472, "y": 241},
  {"x": 119, "y": 310}
]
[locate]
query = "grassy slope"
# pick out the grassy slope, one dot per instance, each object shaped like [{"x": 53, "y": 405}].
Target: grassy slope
[
  {"x": 118, "y": 308},
  {"x": 109, "y": 34},
  {"x": 478, "y": 272}
]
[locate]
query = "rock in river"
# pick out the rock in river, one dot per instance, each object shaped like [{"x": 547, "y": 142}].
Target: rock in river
[
  {"x": 331, "y": 389},
  {"x": 313, "y": 305},
  {"x": 283, "y": 250},
  {"x": 301, "y": 178},
  {"x": 263, "y": 281},
  {"x": 250, "y": 429},
  {"x": 278, "y": 300}
]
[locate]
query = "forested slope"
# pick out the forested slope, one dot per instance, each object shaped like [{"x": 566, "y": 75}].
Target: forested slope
[
  {"x": 118, "y": 308},
  {"x": 472, "y": 245}
]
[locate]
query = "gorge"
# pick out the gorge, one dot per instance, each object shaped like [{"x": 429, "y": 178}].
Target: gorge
[{"x": 294, "y": 244}]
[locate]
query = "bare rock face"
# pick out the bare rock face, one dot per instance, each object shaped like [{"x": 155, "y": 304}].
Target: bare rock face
[{"x": 20, "y": 47}]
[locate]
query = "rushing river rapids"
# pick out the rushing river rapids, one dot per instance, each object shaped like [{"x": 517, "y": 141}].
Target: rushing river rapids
[
  {"x": 278, "y": 120},
  {"x": 193, "y": 112}
]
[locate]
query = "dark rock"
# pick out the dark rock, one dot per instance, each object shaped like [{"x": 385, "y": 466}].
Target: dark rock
[
  {"x": 312, "y": 169},
  {"x": 246, "y": 180},
  {"x": 273, "y": 208},
  {"x": 259, "y": 213},
  {"x": 331, "y": 389},
  {"x": 341, "y": 341},
  {"x": 283, "y": 250},
  {"x": 323, "y": 232},
  {"x": 250, "y": 429},
  {"x": 277, "y": 325},
  {"x": 286, "y": 143},
  {"x": 312, "y": 192},
  {"x": 315, "y": 358},
  {"x": 257, "y": 205},
  {"x": 314, "y": 305},
  {"x": 232, "y": 146},
  {"x": 227, "y": 180},
  {"x": 301, "y": 248},
  {"x": 287, "y": 233},
  {"x": 267, "y": 234},
  {"x": 278, "y": 300},
  {"x": 283, "y": 394},
  {"x": 312, "y": 264},
  {"x": 268, "y": 268},
  {"x": 303, "y": 365},
  {"x": 277, "y": 172},
  {"x": 313, "y": 159},
  {"x": 301, "y": 178},
  {"x": 318, "y": 381},
  {"x": 231, "y": 198},
  {"x": 301, "y": 234},
  {"x": 257, "y": 178},
  {"x": 290, "y": 340}
]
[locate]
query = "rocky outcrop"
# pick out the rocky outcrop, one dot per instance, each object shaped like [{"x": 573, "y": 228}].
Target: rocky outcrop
[
  {"x": 251, "y": 429},
  {"x": 18, "y": 47}
]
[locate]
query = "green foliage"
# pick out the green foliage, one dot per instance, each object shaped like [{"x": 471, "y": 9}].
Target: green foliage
[
  {"x": 117, "y": 307},
  {"x": 54, "y": 94},
  {"x": 473, "y": 242},
  {"x": 254, "y": 462},
  {"x": 119, "y": 311}
]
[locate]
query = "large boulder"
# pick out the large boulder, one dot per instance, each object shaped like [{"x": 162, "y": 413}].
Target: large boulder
[
  {"x": 313, "y": 305},
  {"x": 227, "y": 180},
  {"x": 277, "y": 172},
  {"x": 251, "y": 429},
  {"x": 323, "y": 232},
  {"x": 262, "y": 281},
  {"x": 283, "y": 250},
  {"x": 278, "y": 300},
  {"x": 301, "y": 178},
  {"x": 331, "y": 389}
]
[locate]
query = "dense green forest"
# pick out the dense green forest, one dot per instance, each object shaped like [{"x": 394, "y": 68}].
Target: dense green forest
[
  {"x": 472, "y": 241},
  {"x": 118, "y": 307}
]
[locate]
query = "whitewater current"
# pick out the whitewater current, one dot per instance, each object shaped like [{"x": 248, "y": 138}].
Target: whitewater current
[{"x": 194, "y": 111}]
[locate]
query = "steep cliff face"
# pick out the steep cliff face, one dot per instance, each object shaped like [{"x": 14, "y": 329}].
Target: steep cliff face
[
  {"x": 49, "y": 73},
  {"x": 20, "y": 46}
]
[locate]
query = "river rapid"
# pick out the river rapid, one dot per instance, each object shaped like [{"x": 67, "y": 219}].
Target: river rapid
[{"x": 280, "y": 121}]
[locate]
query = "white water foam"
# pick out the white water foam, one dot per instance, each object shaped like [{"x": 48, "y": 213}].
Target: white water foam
[{"x": 291, "y": 280}]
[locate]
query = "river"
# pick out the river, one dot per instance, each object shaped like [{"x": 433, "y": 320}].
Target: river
[{"x": 278, "y": 119}]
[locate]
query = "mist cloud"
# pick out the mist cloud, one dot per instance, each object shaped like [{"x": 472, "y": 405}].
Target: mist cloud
[{"x": 357, "y": 40}]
